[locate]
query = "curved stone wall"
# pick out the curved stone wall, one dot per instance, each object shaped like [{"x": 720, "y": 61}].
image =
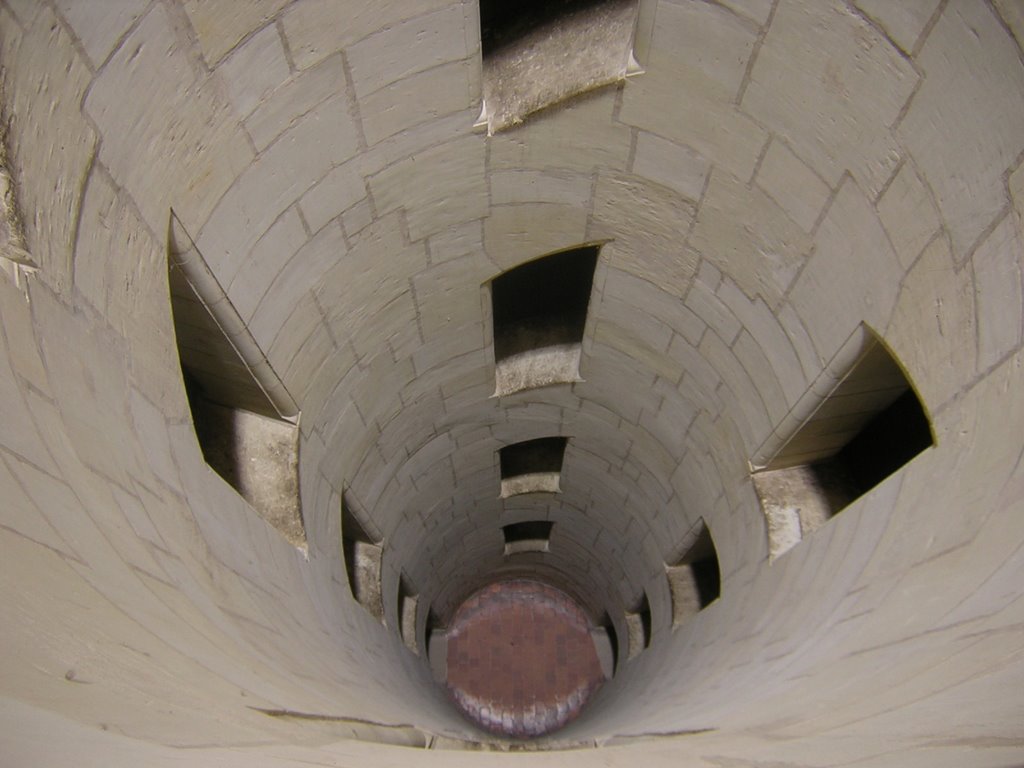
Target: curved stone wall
[{"x": 782, "y": 174}]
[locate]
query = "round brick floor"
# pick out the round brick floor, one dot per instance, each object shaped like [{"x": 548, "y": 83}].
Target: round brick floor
[{"x": 521, "y": 661}]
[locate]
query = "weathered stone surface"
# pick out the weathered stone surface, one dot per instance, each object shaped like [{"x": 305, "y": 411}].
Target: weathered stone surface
[
  {"x": 969, "y": 60},
  {"x": 831, "y": 100},
  {"x": 99, "y": 26},
  {"x": 647, "y": 222},
  {"x": 221, "y": 26},
  {"x": 44, "y": 82},
  {"x": 791, "y": 184},
  {"x": 903, "y": 22},
  {"x": 852, "y": 277},
  {"x": 933, "y": 331},
  {"x": 254, "y": 69},
  {"x": 997, "y": 284},
  {"x": 677, "y": 167},
  {"x": 908, "y": 212},
  {"x": 209, "y": 148},
  {"x": 416, "y": 99},
  {"x": 743, "y": 232}
]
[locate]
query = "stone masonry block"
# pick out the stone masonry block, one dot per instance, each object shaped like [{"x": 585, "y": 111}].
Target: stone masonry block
[
  {"x": 324, "y": 137},
  {"x": 647, "y": 222},
  {"x": 206, "y": 148},
  {"x": 744, "y": 233},
  {"x": 672, "y": 165},
  {"x": 528, "y": 186},
  {"x": 903, "y": 22},
  {"x": 418, "y": 98},
  {"x": 909, "y": 214},
  {"x": 963, "y": 127},
  {"x": 852, "y": 277},
  {"x": 221, "y": 26},
  {"x": 264, "y": 262},
  {"x": 997, "y": 286},
  {"x": 319, "y": 28},
  {"x": 448, "y": 295},
  {"x": 759, "y": 321},
  {"x": 648, "y": 298},
  {"x": 277, "y": 111},
  {"x": 933, "y": 331},
  {"x": 99, "y": 26},
  {"x": 409, "y": 46},
  {"x": 791, "y": 184},
  {"x": 254, "y": 70},
  {"x": 830, "y": 84},
  {"x": 338, "y": 191},
  {"x": 44, "y": 82},
  {"x": 290, "y": 287},
  {"x": 706, "y": 42},
  {"x": 437, "y": 188},
  {"x": 599, "y": 141},
  {"x": 703, "y": 119},
  {"x": 517, "y": 233}
]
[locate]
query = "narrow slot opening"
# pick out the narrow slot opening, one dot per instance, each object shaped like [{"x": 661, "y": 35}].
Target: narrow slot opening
[
  {"x": 532, "y": 466},
  {"x": 870, "y": 425},
  {"x": 407, "y": 605},
  {"x": 638, "y": 623},
  {"x": 362, "y": 557},
  {"x": 539, "y": 315},
  {"x": 538, "y": 53},
  {"x": 531, "y": 536},
  {"x": 694, "y": 579},
  {"x": 247, "y": 438}
]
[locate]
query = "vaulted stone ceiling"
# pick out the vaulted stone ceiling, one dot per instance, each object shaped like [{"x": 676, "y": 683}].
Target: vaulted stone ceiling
[{"x": 782, "y": 176}]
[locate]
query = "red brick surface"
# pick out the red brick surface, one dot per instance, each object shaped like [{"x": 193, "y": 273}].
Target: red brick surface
[{"x": 521, "y": 661}]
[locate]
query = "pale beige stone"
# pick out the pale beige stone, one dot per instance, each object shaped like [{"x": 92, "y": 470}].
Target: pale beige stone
[
  {"x": 647, "y": 222},
  {"x": 903, "y": 21},
  {"x": 517, "y": 233},
  {"x": 832, "y": 99},
  {"x": 742, "y": 231},
  {"x": 221, "y": 26},
  {"x": 852, "y": 277},
  {"x": 969, "y": 60},
  {"x": 908, "y": 212},
  {"x": 44, "y": 83},
  {"x": 416, "y": 99},
  {"x": 997, "y": 282},
  {"x": 99, "y": 26},
  {"x": 791, "y": 184},
  {"x": 933, "y": 331},
  {"x": 254, "y": 69},
  {"x": 208, "y": 148}
]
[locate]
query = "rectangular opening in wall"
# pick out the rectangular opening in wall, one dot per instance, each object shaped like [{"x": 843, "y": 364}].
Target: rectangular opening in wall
[
  {"x": 869, "y": 425},
  {"x": 532, "y": 466},
  {"x": 244, "y": 420},
  {"x": 362, "y": 555},
  {"x": 15, "y": 258},
  {"x": 694, "y": 580},
  {"x": 537, "y": 53},
  {"x": 407, "y": 603},
  {"x": 638, "y": 623},
  {"x": 532, "y": 536},
  {"x": 613, "y": 642},
  {"x": 539, "y": 315}
]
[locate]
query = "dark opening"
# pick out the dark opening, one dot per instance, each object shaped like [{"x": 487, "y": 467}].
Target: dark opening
[
  {"x": 613, "y": 639},
  {"x": 362, "y": 563},
  {"x": 503, "y": 23},
  {"x": 215, "y": 429},
  {"x": 544, "y": 302},
  {"x": 407, "y": 604},
  {"x": 534, "y": 530},
  {"x": 544, "y": 454},
  {"x": 429, "y": 626},
  {"x": 694, "y": 579}
]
